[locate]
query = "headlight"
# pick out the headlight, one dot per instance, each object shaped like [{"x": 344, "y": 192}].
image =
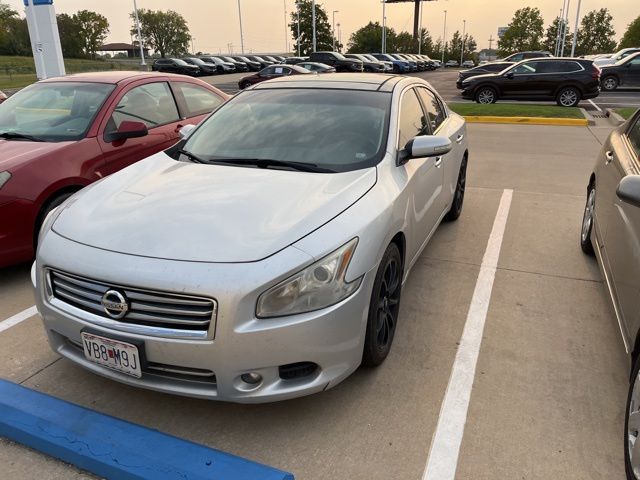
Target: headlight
[
  {"x": 318, "y": 286},
  {"x": 4, "y": 178}
]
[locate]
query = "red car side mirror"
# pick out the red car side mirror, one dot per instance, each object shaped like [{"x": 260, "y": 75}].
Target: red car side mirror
[{"x": 127, "y": 130}]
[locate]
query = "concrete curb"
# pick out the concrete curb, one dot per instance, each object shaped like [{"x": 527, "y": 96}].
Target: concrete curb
[
  {"x": 588, "y": 116},
  {"x": 113, "y": 448},
  {"x": 582, "y": 122},
  {"x": 614, "y": 117}
]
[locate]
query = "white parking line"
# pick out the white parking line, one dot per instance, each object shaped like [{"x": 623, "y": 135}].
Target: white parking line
[
  {"x": 17, "y": 318},
  {"x": 591, "y": 102},
  {"x": 445, "y": 446}
]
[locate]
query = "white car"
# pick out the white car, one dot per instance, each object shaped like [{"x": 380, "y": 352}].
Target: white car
[
  {"x": 468, "y": 64},
  {"x": 263, "y": 256},
  {"x": 452, "y": 63},
  {"x": 616, "y": 57}
]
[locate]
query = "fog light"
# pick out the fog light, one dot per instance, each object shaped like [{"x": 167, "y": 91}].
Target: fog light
[{"x": 251, "y": 378}]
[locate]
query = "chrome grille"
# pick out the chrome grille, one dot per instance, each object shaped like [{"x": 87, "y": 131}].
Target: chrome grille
[{"x": 147, "y": 308}]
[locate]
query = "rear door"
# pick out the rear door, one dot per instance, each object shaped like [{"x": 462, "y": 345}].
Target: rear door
[
  {"x": 151, "y": 103},
  {"x": 622, "y": 237}
]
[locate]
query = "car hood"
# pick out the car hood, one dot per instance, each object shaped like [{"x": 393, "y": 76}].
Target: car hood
[
  {"x": 209, "y": 213},
  {"x": 479, "y": 78},
  {"x": 19, "y": 152}
]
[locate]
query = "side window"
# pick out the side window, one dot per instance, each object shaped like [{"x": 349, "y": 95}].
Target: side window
[
  {"x": 151, "y": 104},
  {"x": 268, "y": 71},
  {"x": 634, "y": 137},
  {"x": 435, "y": 110},
  {"x": 517, "y": 58},
  {"x": 635, "y": 62},
  {"x": 198, "y": 100},
  {"x": 526, "y": 68},
  {"x": 412, "y": 122}
]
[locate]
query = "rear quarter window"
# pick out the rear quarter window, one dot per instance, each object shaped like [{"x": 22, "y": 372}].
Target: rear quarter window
[{"x": 633, "y": 134}]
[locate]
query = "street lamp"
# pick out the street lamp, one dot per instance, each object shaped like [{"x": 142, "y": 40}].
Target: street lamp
[
  {"x": 444, "y": 37},
  {"x": 298, "y": 13},
  {"x": 241, "y": 34},
  {"x": 339, "y": 34},
  {"x": 575, "y": 31},
  {"x": 143, "y": 66},
  {"x": 464, "y": 28},
  {"x": 384, "y": 28},
  {"x": 334, "y": 29},
  {"x": 193, "y": 50},
  {"x": 313, "y": 21}
]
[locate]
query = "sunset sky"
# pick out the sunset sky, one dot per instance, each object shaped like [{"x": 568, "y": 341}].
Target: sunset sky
[{"x": 214, "y": 23}]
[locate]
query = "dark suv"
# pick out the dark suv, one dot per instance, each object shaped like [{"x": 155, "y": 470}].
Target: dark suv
[
  {"x": 338, "y": 61},
  {"x": 518, "y": 57},
  {"x": 565, "y": 80},
  {"x": 368, "y": 65},
  {"x": 175, "y": 65}
]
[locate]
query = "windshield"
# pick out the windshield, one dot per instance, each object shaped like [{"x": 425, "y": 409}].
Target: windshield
[
  {"x": 228, "y": 59},
  {"x": 336, "y": 130},
  {"x": 195, "y": 61},
  {"x": 53, "y": 111},
  {"x": 628, "y": 58},
  {"x": 180, "y": 62}
]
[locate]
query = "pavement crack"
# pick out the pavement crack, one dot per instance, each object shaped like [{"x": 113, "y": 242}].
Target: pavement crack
[{"x": 40, "y": 370}]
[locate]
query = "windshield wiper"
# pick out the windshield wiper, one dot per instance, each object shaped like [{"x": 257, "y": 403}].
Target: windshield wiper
[
  {"x": 268, "y": 162},
  {"x": 191, "y": 156},
  {"x": 20, "y": 136}
]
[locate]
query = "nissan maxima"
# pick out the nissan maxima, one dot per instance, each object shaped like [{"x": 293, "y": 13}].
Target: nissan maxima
[{"x": 263, "y": 256}]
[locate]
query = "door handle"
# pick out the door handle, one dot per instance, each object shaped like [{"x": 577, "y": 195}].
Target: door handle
[
  {"x": 459, "y": 139},
  {"x": 609, "y": 157},
  {"x": 438, "y": 162},
  {"x": 178, "y": 127}
]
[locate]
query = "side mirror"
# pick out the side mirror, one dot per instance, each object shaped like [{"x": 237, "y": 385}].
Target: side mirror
[
  {"x": 425, "y": 146},
  {"x": 509, "y": 75},
  {"x": 629, "y": 190},
  {"x": 127, "y": 130},
  {"x": 185, "y": 131}
]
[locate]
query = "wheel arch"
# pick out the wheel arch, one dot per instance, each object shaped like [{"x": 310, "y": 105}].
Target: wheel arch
[
  {"x": 401, "y": 242},
  {"x": 51, "y": 197}
]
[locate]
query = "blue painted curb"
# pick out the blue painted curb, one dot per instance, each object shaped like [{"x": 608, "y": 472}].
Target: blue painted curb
[{"x": 113, "y": 448}]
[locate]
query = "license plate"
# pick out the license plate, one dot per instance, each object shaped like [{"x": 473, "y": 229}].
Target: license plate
[{"x": 120, "y": 356}]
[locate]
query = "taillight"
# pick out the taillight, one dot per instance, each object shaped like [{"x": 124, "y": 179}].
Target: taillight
[{"x": 595, "y": 72}]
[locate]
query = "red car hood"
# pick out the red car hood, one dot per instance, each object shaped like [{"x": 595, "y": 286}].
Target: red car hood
[{"x": 14, "y": 153}]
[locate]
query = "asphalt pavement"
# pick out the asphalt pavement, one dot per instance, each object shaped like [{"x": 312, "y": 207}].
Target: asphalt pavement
[{"x": 550, "y": 384}]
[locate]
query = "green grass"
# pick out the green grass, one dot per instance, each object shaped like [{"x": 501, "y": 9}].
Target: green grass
[
  {"x": 516, "y": 110},
  {"x": 17, "y": 72},
  {"x": 626, "y": 112}
]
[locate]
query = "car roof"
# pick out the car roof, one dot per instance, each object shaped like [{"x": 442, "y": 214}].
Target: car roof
[
  {"x": 338, "y": 81},
  {"x": 114, "y": 77}
]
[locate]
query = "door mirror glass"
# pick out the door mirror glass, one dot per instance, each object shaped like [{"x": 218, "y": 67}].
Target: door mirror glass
[
  {"x": 186, "y": 131},
  {"x": 128, "y": 129},
  {"x": 629, "y": 190},
  {"x": 428, "y": 146},
  {"x": 509, "y": 75}
]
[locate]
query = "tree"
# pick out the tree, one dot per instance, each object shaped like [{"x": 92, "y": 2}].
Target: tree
[
  {"x": 427, "y": 41},
  {"x": 324, "y": 37},
  {"x": 631, "y": 37},
  {"x": 14, "y": 34},
  {"x": 403, "y": 43},
  {"x": 368, "y": 38},
  {"x": 596, "y": 33},
  {"x": 93, "y": 29},
  {"x": 549, "y": 43},
  {"x": 523, "y": 33},
  {"x": 165, "y": 32},
  {"x": 70, "y": 36}
]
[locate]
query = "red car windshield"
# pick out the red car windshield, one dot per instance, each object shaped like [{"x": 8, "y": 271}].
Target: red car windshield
[{"x": 52, "y": 112}]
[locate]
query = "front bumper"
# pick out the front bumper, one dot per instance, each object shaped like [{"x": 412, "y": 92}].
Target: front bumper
[
  {"x": 467, "y": 92},
  {"x": 238, "y": 342}
]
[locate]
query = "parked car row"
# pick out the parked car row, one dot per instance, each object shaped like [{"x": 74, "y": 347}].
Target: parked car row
[
  {"x": 215, "y": 64},
  {"x": 373, "y": 62}
]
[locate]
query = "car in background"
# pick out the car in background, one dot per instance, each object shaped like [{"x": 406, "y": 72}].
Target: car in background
[
  {"x": 295, "y": 60},
  {"x": 468, "y": 64},
  {"x": 437, "y": 63},
  {"x": 204, "y": 67},
  {"x": 252, "y": 64},
  {"x": 493, "y": 67},
  {"x": 611, "y": 232},
  {"x": 616, "y": 57},
  {"x": 317, "y": 67},
  {"x": 625, "y": 73},
  {"x": 337, "y": 61},
  {"x": 368, "y": 65},
  {"x": 221, "y": 65},
  {"x": 388, "y": 65},
  {"x": 62, "y": 134},
  {"x": 518, "y": 57},
  {"x": 431, "y": 65},
  {"x": 263, "y": 257},
  {"x": 240, "y": 65},
  {"x": 399, "y": 66},
  {"x": 273, "y": 71},
  {"x": 413, "y": 65},
  {"x": 175, "y": 65},
  {"x": 261, "y": 60},
  {"x": 565, "y": 80},
  {"x": 452, "y": 63}
]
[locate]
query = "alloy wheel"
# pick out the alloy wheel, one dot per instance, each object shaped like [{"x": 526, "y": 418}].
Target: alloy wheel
[
  {"x": 633, "y": 427},
  {"x": 610, "y": 83},
  {"x": 486, "y": 95},
  {"x": 568, "y": 97},
  {"x": 587, "y": 219},
  {"x": 388, "y": 303}
]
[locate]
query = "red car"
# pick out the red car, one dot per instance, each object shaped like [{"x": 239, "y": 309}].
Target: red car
[
  {"x": 59, "y": 135},
  {"x": 274, "y": 71}
]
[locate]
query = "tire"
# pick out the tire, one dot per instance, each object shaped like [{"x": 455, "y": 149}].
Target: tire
[
  {"x": 383, "y": 308},
  {"x": 458, "y": 197},
  {"x": 587, "y": 221},
  {"x": 632, "y": 425},
  {"x": 54, "y": 203},
  {"x": 609, "y": 83},
  {"x": 568, "y": 97},
  {"x": 243, "y": 86},
  {"x": 486, "y": 95}
]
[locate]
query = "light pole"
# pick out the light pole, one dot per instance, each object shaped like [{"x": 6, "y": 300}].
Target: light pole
[
  {"x": 575, "y": 31},
  {"x": 464, "y": 28},
  {"x": 384, "y": 28},
  {"x": 241, "y": 34},
  {"x": 334, "y": 29},
  {"x": 420, "y": 32},
  {"x": 339, "y": 35},
  {"x": 560, "y": 24},
  {"x": 564, "y": 27},
  {"x": 193, "y": 50},
  {"x": 444, "y": 37},
  {"x": 313, "y": 21},
  {"x": 286, "y": 35},
  {"x": 143, "y": 66},
  {"x": 298, "y": 13}
]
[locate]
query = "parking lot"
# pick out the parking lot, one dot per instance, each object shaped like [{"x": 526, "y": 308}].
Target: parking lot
[{"x": 551, "y": 378}]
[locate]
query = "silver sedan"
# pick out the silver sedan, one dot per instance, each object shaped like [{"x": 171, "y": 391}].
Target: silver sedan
[{"x": 263, "y": 256}]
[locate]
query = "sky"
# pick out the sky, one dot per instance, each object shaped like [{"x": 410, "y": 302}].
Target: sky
[{"x": 215, "y": 27}]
